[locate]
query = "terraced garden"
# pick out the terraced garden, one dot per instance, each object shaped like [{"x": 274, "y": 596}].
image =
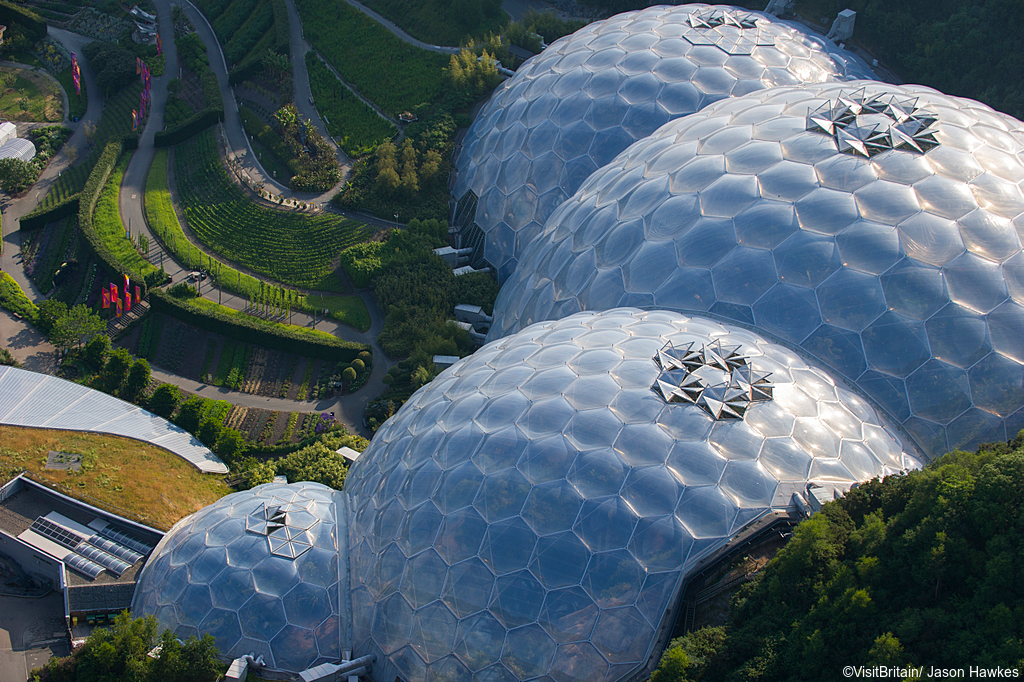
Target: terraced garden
[
  {"x": 116, "y": 121},
  {"x": 292, "y": 247},
  {"x": 354, "y": 125},
  {"x": 391, "y": 73}
]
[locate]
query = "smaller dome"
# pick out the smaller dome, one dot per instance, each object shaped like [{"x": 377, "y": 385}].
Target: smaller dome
[{"x": 259, "y": 571}]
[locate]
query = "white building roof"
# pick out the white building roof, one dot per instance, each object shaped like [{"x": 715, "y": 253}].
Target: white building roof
[
  {"x": 42, "y": 401},
  {"x": 18, "y": 148}
]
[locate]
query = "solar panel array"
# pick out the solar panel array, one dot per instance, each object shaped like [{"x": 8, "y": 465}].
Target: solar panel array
[
  {"x": 88, "y": 555},
  {"x": 122, "y": 538}
]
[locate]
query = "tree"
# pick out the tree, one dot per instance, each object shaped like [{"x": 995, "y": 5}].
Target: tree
[
  {"x": 230, "y": 444},
  {"x": 8, "y": 360},
  {"x": 138, "y": 379},
  {"x": 349, "y": 374},
  {"x": 165, "y": 400},
  {"x": 190, "y": 412},
  {"x": 76, "y": 327},
  {"x": 50, "y": 311},
  {"x": 96, "y": 352},
  {"x": 209, "y": 432},
  {"x": 16, "y": 175},
  {"x": 286, "y": 116},
  {"x": 358, "y": 365},
  {"x": 420, "y": 376},
  {"x": 116, "y": 371}
]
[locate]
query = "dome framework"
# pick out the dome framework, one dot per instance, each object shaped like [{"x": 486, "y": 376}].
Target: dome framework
[
  {"x": 534, "y": 510},
  {"x": 572, "y": 108},
  {"x": 874, "y": 226}
]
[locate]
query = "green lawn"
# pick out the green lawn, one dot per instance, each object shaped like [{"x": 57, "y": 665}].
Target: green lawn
[
  {"x": 164, "y": 222},
  {"x": 108, "y": 223},
  {"x": 27, "y": 96}
]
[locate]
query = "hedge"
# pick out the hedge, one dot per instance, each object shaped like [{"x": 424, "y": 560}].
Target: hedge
[
  {"x": 211, "y": 91},
  {"x": 192, "y": 125},
  {"x": 41, "y": 216},
  {"x": 248, "y": 329},
  {"x": 88, "y": 197},
  {"x": 282, "y": 31},
  {"x": 35, "y": 25},
  {"x": 14, "y": 299}
]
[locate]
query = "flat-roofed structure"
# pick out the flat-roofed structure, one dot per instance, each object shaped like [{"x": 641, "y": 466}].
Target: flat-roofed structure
[{"x": 46, "y": 402}]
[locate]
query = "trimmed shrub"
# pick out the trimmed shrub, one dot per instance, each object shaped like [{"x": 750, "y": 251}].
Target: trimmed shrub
[
  {"x": 41, "y": 216},
  {"x": 193, "y": 125},
  {"x": 249, "y": 329}
]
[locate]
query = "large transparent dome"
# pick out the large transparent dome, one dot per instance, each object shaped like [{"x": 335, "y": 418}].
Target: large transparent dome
[
  {"x": 572, "y": 108},
  {"x": 534, "y": 509},
  {"x": 258, "y": 570},
  {"x": 874, "y": 225}
]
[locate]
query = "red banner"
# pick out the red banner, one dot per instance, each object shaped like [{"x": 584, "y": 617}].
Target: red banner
[
  {"x": 127, "y": 301},
  {"x": 76, "y": 74},
  {"x": 135, "y": 120},
  {"x": 138, "y": 66},
  {"x": 127, "y": 291},
  {"x": 106, "y": 298},
  {"x": 138, "y": 294},
  {"x": 113, "y": 291},
  {"x": 119, "y": 307}
]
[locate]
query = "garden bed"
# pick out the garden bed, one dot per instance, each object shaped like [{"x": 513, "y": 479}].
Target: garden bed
[{"x": 29, "y": 96}]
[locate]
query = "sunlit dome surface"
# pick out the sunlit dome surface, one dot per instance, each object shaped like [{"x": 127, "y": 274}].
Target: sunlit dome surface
[
  {"x": 572, "y": 108},
  {"x": 259, "y": 571},
  {"x": 533, "y": 510},
  {"x": 874, "y": 225}
]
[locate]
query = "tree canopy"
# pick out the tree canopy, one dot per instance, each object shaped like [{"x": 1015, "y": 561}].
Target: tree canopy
[{"x": 918, "y": 569}]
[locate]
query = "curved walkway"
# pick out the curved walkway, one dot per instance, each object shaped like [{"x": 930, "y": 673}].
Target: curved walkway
[
  {"x": 391, "y": 26},
  {"x": 11, "y": 260}
]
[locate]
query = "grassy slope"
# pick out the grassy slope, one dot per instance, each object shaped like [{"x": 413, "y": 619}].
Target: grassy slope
[
  {"x": 107, "y": 220},
  {"x": 143, "y": 479}
]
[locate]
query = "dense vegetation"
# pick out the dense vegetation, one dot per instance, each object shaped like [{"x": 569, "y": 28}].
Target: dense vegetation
[
  {"x": 918, "y": 569},
  {"x": 120, "y": 653},
  {"x": 17, "y": 175},
  {"x": 290, "y": 246},
  {"x": 311, "y": 161},
  {"x": 248, "y": 29},
  {"x": 391, "y": 73},
  {"x": 108, "y": 225},
  {"x": 410, "y": 181},
  {"x": 354, "y": 125},
  {"x": 418, "y": 292},
  {"x": 442, "y": 22},
  {"x": 318, "y": 462},
  {"x": 114, "y": 66},
  {"x": 12, "y": 298}
]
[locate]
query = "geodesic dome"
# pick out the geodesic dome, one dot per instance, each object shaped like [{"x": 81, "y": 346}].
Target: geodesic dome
[
  {"x": 258, "y": 570},
  {"x": 874, "y": 225},
  {"x": 572, "y": 108},
  {"x": 534, "y": 510}
]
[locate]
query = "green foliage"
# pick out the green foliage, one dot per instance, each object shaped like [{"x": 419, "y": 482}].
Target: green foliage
[
  {"x": 687, "y": 657},
  {"x": 442, "y": 22},
  {"x": 106, "y": 221},
  {"x": 114, "y": 66},
  {"x": 77, "y": 104},
  {"x": 138, "y": 379},
  {"x": 96, "y": 352},
  {"x": 248, "y": 329},
  {"x": 165, "y": 400},
  {"x": 121, "y": 653},
  {"x": 960, "y": 48},
  {"x": 190, "y": 413},
  {"x": 915, "y": 569},
  {"x": 192, "y": 53},
  {"x": 318, "y": 462},
  {"x": 292, "y": 247},
  {"x": 116, "y": 371},
  {"x": 349, "y": 120},
  {"x": 75, "y": 327},
  {"x": 547, "y": 24},
  {"x": 14, "y": 299},
  {"x": 472, "y": 76},
  {"x": 393, "y": 74},
  {"x": 8, "y": 360},
  {"x": 363, "y": 262},
  {"x": 384, "y": 194},
  {"x": 16, "y": 175},
  {"x": 30, "y": 24},
  {"x": 349, "y": 374}
]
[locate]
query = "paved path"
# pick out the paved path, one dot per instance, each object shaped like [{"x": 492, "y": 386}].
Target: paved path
[
  {"x": 10, "y": 260},
  {"x": 238, "y": 143},
  {"x": 27, "y": 344}
]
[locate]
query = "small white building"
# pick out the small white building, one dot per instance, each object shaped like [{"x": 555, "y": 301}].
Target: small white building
[
  {"x": 18, "y": 148},
  {"x": 8, "y": 131}
]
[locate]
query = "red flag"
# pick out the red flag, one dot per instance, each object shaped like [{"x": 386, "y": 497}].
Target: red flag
[
  {"x": 126, "y": 290},
  {"x": 106, "y": 298},
  {"x": 127, "y": 301},
  {"x": 119, "y": 307},
  {"x": 135, "y": 120},
  {"x": 159, "y": 46},
  {"x": 76, "y": 74},
  {"x": 138, "y": 294},
  {"x": 113, "y": 291},
  {"x": 138, "y": 66}
]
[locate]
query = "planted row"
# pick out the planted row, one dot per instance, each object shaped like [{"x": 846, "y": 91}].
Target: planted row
[{"x": 355, "y": 126}]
